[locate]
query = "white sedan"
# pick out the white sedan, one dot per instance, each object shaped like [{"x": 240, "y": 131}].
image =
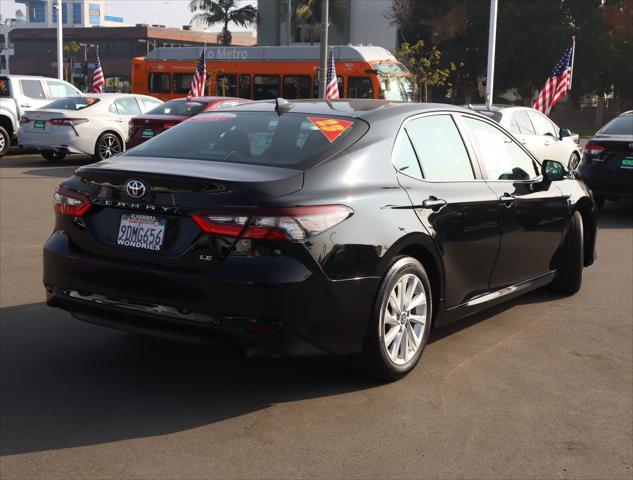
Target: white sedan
[
  {"x": 541, "y": 136},
  {"x": 96, "y": 125}
]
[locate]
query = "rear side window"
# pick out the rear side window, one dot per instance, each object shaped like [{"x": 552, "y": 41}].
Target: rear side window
[
  {"x": 178, "y": 107},
  {"x": 5, "y": 90},
  {"x": 127, "y": 106},
  {"x": 542, "y": 125},
  {"x": 182, "y": 82},
  {"x": 404, "y": 158},
  {"x": 267, "y": 86},
  {"x": 60, "y": 90},
  {"x": 523, "y": 124},
  {"x": 260, "y": 138},
  {"x": 73, "y": 103},
  {"x": 32, "y": 89},
  {"x": 159, "y": 82},
  {"x": 619, "y": 126},
  {"x": 440, "y": 149}
]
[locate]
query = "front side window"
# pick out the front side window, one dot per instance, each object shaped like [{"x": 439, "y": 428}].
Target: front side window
[
  {"x": 440, "y": 149},
  {"x": 245, "y": 86},
  {"x": 127, "y": 106},
  {"x": 60, "y": 90},
  {"x": 360, "y": 87},
  {"x": 159, "y": 82},
  {"x": 32, "y": 89},
  {"x": 542, "y": 124},
  {"x": 404, "y": 158},
  {"x": 182, "y": 82},
  {"x": 226, "y": 85},
  {"x": 296, "y": 87},
  {"x": 267, "y": 86},
  {"x": 5, "y": 90},
  {"x": 502, "y": 157}
]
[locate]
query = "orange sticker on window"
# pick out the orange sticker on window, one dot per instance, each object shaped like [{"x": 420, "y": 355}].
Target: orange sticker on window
[{"x": 332, "y": 128}]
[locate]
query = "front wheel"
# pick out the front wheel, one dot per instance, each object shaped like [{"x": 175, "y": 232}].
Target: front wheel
[
  {"x": 108, "y": 145},
  {"x": 401, "y": 321},
  {"x": 5, "y": 142},
  {"x": 569, "y": 274}
]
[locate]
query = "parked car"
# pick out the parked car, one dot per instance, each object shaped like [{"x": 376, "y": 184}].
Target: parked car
[
  {"x": 22, "y": 92},
  {"x": 171, "y": 113},
  {"x": 607, "y": 161},
  {"x": 312, "y": 227},
  {"x": 95, "y": 125},
  {"x": 541, "y": 136}
]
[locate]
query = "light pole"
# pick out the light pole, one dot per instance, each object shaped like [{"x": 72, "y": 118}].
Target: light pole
[
  {"x": 492, "y": 39},
  {"x": 60, "y": 41},
  {"x": 324, "y": 46}
]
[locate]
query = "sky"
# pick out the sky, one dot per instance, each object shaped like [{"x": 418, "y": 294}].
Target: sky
[{"x": 172, "y": 13}]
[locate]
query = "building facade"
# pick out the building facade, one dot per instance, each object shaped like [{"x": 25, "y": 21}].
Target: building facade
[
  {"x": 351, "y": 21},
  {"x": 6, "y": 46},
  {"x": 75, "y": 13}
]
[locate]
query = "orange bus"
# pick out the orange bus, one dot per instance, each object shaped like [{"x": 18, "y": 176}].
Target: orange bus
[{"x": 260, "y": 73}]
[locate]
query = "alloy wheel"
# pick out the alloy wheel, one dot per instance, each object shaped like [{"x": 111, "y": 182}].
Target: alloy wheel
[
  {"x": 109, "y": 146},
  {"x": 404, "y": 319},
  {"x": 3, "y": 142}
]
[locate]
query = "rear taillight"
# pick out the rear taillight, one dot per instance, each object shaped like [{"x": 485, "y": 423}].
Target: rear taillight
[
  {"x": 71, "y": 203},
  {"x": 296, "y": 223},
  {"x": 24, "y": 120},
  {"x": 67, "y": 122},
  {"x": 169, "y": 125},
  {"x": 594, "y": 150}
]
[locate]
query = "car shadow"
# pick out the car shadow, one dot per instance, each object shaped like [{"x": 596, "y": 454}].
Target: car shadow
[
  {"x": 65, "y": 384},
  {"x": 616, "y": 214}
]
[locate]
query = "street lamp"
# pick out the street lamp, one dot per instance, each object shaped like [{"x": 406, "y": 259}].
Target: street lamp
[{"x": 60, "y": 40}]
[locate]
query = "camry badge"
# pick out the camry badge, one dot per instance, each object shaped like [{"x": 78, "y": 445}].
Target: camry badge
[{"x": 135, "y": 189}]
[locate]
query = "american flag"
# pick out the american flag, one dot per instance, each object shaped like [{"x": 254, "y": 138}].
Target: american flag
[
  {"x": 98, "y": 80},
  {"x": 199, "y": 79},
  {"x": 558, "y": 84},
  {"x": 331, "y": 82}
]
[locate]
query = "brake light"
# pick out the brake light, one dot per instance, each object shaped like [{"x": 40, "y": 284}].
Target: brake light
[
  {"x": 594, "y": 150},
  {"x": 169, "y": 125},
  {"x": 296, "y": 223},
  {"x": 67, "y": 122},
  {"x": 24, "y": 120},
  {"x": 71, "y": 203}
]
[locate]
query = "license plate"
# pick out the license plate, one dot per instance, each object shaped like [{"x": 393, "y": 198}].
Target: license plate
[
  {"x": 148, "y": 133},
  {"x": 626, "y": 163},
  {"x": 145, "y": 232},
  {"x": 40, "y": 124}
]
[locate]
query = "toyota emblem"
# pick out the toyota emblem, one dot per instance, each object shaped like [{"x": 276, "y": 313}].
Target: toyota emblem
[{"x": 135, "y": 189}]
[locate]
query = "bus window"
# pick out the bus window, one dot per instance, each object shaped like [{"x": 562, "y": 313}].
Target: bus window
[
  {"x": 245, "y": 86},
  {"x": 296, "y": 86},
  {"x": 267, "y": 86},
  {"x": 339, "y": 79},
  {"x": 226, "y": 85},
  {"x": 159, "y": 82},
  {"x": 359, "y": 87},
  {"x": 182, "y": 82}
]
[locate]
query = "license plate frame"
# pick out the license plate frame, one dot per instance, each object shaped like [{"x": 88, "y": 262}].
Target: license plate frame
[
  {"x": 627, "y": 163},
  {"x": 141, "y": 232},
  {"x": 148, "y": 133},
  {"x": 39, "y": 124}
]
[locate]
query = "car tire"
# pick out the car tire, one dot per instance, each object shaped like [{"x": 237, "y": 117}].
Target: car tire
[
  {"x": 53, "y": 156},
  {"x": 599, "y": 200},
  {"x": 385, "y": 356},
  {"x": 5, "y": 142},
  {"x": 574, "y": 161},
  {"x": 108, "y": 145},
  {"x": 569, "y": 275}
]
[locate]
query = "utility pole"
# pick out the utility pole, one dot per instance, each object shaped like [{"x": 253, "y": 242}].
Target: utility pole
[
  {"x": 324, "y": 46},
  {"x": 60, "y": 41},
  {"x": 492, "y": 40},
  {"x": 289, "y": 22}
]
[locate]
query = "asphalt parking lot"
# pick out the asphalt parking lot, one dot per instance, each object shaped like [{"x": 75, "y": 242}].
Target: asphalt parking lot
[{"x": 541, "y": 387}]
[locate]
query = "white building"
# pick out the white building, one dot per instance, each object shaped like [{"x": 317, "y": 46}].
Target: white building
[
  {"x": 6, "y": 46},
  {"x": 75, "y": 13}
]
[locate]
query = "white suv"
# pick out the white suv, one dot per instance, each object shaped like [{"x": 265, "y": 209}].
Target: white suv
[{"x": 19, "y": 93}]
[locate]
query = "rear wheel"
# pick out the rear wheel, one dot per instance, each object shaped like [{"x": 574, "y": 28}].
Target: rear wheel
[
  {"x": 51, "y": 155},
  {"x": 574, "y": 160},
  {"x": 569, "y": 275},
  {"x": 401, "y": 321},
  {"x": 108, "y": 145},
  {"x": 5, "y": 141}
]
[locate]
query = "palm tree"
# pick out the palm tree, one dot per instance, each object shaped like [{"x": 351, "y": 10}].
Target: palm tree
[
  {"x": 309, "y": 12},
  {"x": 209, "y": 13}
]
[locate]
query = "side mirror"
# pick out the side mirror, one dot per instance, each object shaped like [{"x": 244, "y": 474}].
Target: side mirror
[
  {"x": 552, "y": 171},
  {"x": 564, "y": 132}
]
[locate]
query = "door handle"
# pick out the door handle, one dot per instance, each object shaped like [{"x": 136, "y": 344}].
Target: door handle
[
  {"x": 26, "y": 105},
  {"x": 507, "y": 199},
  {"x": 434, "y": 203}
]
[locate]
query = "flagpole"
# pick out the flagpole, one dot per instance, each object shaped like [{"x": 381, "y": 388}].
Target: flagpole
[
  {"x": 324, "y": 46},
  {"x": 60, "y": 41},
  {"x": 492, "y": 39},
  {"x": 573, "y": 56}
]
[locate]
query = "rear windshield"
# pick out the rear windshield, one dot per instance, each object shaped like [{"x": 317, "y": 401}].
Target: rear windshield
[
  {"x": 258, "y": 138},
  {"x": 4, "y": 87},
  {"x": 619, "y": 126},
  {"x": 72, "y": 103},
  {"x": 179, "y": 107}
]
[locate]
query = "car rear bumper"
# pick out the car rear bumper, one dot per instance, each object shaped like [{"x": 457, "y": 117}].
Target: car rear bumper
[
  {"x": 135, "y": 142},
  {"x": 607, "y": 182},
  {"x": 62, "y": 143},
  {"x": 289, "y": 309}
]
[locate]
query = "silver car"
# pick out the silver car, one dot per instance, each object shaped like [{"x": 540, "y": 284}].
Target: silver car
[
  {"x": 96, "y": 125},
  {"x": 545, "y": 139}
]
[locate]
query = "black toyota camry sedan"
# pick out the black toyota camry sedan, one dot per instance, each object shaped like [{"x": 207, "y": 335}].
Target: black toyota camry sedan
[{"x": 316, "y": 227}]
